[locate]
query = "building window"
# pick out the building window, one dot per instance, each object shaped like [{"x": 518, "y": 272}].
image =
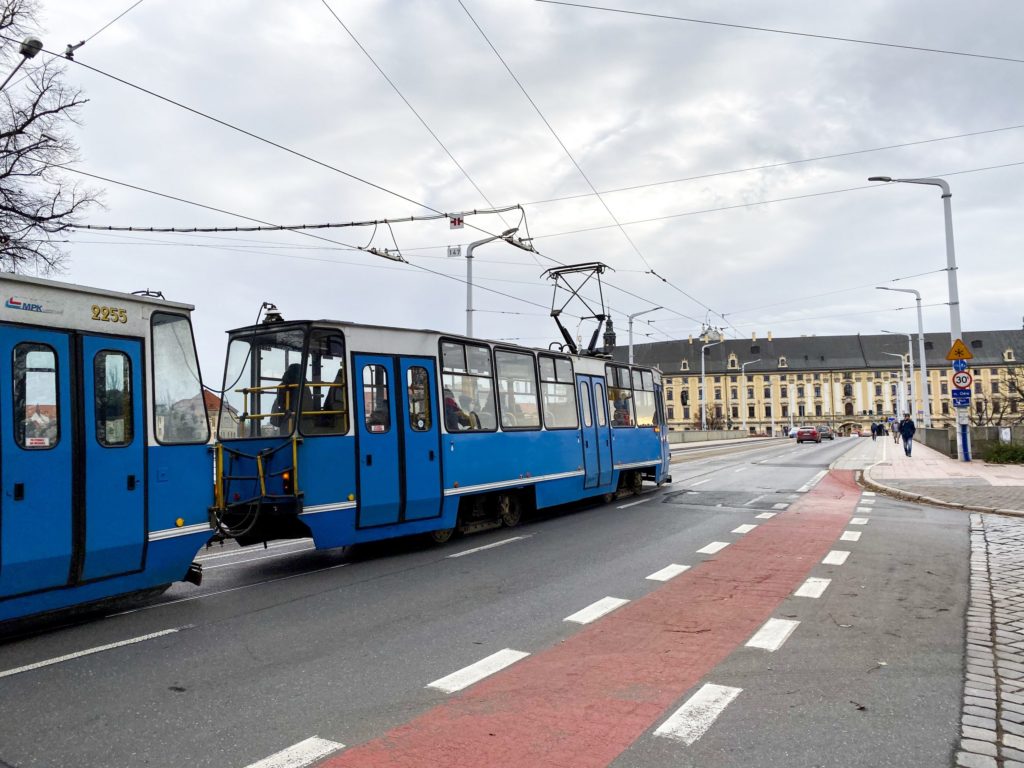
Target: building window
[
  {"x": 785, "y": 410},
  {"x": 735, "y": 412},
  {"x": 1008, "y": 356},
  {"x": 767, "y": 411},
  {"x": 750, "y": 411},
  {"x": 800, "y": 391},
  {"x": 767, "y": 393},
  {"x": 800, "y": 410},
  {"x": 848, "y": 392},
  {"x": 817, "y": 390},
  {"x": 750, "y": 393},
  {"x": 783, "y": 363},
  {"x": 976, "y": 344},
  {"x": 686, "y": 412},
  {"x": 1013, "y": 405},
  {"x": 718, "y": 393},
  {"x": 878, "y": 390},
  {"x": 734, "y": 393},
  {"x": 817, "y": 410},
  {"x": 995, "y": 387},
  {"x": 977, "y": 387},
  {"x": 945, "y": 408},
  {"x": 849, "y": 409},
  {"x": 684, "y": 397},
  {"x": 668, "y": 395},
  {"x": 671, "y": 413},
  {"x": 944, "y": 388},
  {"x": 685, "y": 365},
  {"x": 718, "y": 379},
  {"x": 733, "y": 362},
  {"x": 783, "y": 391}
]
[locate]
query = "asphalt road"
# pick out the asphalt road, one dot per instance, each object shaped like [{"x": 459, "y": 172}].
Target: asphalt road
[{"x": 284, "y": 644}]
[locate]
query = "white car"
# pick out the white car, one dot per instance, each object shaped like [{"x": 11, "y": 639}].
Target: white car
[{"x": 793, "y": 431}]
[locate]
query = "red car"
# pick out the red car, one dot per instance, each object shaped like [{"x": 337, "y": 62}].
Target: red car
[{"x": 808, "y": 433}]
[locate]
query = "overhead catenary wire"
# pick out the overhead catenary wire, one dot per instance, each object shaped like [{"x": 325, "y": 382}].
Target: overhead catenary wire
[{"x": 789, "y": 32}]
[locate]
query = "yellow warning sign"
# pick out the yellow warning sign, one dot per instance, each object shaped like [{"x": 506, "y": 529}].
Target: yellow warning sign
[{"x": 959, "y": 351}]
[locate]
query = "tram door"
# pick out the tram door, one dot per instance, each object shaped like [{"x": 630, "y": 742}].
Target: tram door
[
  {"x": 377, "y": 441},
  {"x": 597, "y": 439},
  {"x": 114, "y": 447},
  {"x": 36, "y": 450},
  {"x": 421, "y": 433}
]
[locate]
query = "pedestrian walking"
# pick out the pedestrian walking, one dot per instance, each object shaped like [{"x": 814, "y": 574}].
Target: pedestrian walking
[
  {"x": 874, "y": 431},
  {"x": 895, "y": 432},
  {"x": 906, "y": 431}
]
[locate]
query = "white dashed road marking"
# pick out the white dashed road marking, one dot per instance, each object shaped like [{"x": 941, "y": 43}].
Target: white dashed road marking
[
  {"x": 304, "y": 753},
  {"x": 867, "y": 501},
  {"x": 713, "y": 547},
  {"x": 492, "y": 545},
  {"x": 858, "y": 521},
  {"x": 836, "y": 557},
  {"x": 812, "y": 482},
  {"x": 700, "y": 482},
  {"x": 868, "y": 493},
  {"x": 865, "y": 510},
  {"x": 813, "y": 587},
  {"x": 596, "y": 610},
  {"x": 692, "y": 720},
  {"x": 633, "y": 504},
  {"x": 773, "y": 634},
  {"x": 742, "y": 469},
  {"x": 766, "y": 515},
  {"x": 466, "y": 676},
  {"x": 745, "y": 528},
  {"x": 753, "y": 501},
  {"x": 668, "y": 572},
  {"x": 850, "y": 536},
  {"x": 780, "y": 505}
]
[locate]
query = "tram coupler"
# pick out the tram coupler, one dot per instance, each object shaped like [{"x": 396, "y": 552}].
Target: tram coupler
[{"x": 194, "y": 575}]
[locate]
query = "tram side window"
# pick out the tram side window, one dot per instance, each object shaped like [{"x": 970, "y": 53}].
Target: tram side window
[
  {"x": 112, "y": 379},
  {"x": 468, "y": 382},
  {"x": 620, "y": 396},
  {"x": 179, "y": 406},
  {"x": 558, "y": 391},
  {"x": 325, "y": 410},
  {"x": 376, "y": 409},
  {"x": 643, "y": 394},
  {"x": 36, "y": 410},
  {"x": 517, "y": 389},
  {"x": 263, "y": 384},
  {"x": 600, "y": 404},
  {"x": 418, "y": 388}
]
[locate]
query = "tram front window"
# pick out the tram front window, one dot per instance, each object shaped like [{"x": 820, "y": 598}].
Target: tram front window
[{"x": 263, "y": 387}]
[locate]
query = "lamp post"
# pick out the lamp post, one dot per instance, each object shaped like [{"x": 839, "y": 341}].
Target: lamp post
[
  {"x": 743, "y": 397},
  {"x": 910, "y": 358},
  {"x": 704, "y": 387},
  {"x": 630, "y": 318},
  {"x": 507, "y": 237},
  {"x": 30, "y": 46},
  {"x": 963, "y": 445},
  {"x": 903, "y": 384},
  {"x": 923, "y": 364}
]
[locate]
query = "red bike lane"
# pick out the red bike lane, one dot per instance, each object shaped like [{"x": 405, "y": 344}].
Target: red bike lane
[{"x": 583, "y": 702}]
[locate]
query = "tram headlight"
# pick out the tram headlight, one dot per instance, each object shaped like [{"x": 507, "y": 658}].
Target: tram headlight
[{"x": 289, "y": 484}]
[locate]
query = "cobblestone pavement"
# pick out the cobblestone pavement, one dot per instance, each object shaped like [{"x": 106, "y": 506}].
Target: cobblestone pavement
[{"x": 992, "y": 726}]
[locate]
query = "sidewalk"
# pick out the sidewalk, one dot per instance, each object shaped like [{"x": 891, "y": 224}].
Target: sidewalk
[{"x": 934, "y": 478}]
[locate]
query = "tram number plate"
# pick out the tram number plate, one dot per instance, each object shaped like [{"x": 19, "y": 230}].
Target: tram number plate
[{"x": 109, "y": 314}]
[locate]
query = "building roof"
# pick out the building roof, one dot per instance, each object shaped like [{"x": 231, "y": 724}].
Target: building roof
[{"x": 822, "y": 353}]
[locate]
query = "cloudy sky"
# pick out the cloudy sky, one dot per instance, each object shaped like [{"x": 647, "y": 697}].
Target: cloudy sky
[{"x": 676, "y": 111}]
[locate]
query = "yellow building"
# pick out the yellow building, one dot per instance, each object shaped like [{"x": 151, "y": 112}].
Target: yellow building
[{"x": 846, "y": 382}]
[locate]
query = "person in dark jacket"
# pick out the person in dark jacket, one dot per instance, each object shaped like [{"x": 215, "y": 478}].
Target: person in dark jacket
[{"x": 907, "y": 430}]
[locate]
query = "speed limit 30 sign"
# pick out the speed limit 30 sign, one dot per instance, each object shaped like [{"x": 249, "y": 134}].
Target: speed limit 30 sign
[{"x": 962, "y": 380}]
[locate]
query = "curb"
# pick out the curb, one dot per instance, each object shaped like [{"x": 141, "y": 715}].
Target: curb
[{"x": 864, "y": 478}]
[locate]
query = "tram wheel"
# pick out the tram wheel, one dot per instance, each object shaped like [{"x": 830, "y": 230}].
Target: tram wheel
[
  {"x": 442, "y": 536},
  {"x": 510, "y": 510}
]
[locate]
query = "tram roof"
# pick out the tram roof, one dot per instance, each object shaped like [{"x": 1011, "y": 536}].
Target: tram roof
[{"x": 75, "y": 288}]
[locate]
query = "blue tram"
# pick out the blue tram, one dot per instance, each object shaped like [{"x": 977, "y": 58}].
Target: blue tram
[
  {"x": 350, "y": 433},
  {"x": 104, "y": 463}
]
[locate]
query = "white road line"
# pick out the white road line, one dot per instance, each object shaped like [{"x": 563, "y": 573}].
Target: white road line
[
  {"x": 812, "y": 482},
  {"x": 850, "y": 536},
  {"x": 701, "y": 482},
  {"x": 753, "y": 501},
  {"x": 780, "y": 505},
  {"x": 474, "y": 673},
  {"x": 836, "y": 557},
  {"x": 247, "y": 550},
  {"x": 633, "y": 504},
  {"x": 773, "y": 634},
  {"x": 713, "y": 547},
  {"x": 90, "y": 651},
  {"x": 742, "y": 469},
  {"x": 226, "y": 591},
  {"x": 745, "y": 528},
  {"x": 867, "y": 501},
  {"x": 299, "y": 755},
  {"x": 255, "y": 559},
  {"x": 766, "y": 515},
  {"x": 692, "y": 720},
  {"x": 668, "y": 572},
  {"x": 492, "y": 545},
  {"x": 596, "y": 610},
  {"x": 813, "y": 587},
  {"x": 868, "y": 493},
  {"x": 858, "y": 521},
  {"x": 865, "y": 510}
]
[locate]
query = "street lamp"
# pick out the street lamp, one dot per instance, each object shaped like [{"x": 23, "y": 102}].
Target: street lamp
[
  {"x": 963, "y": 445},
  {"x": 30, "y": 46},
  {"x": 507, "y": 237},
  {"x": 923, "y": 364},
  {"x": 704, "y": 386},
  {"x": 910, "y": 358},
  {"x": 903, "y": 383},
  {"x": 743, "y": 376},
  {"x": 630, "y": 318}
]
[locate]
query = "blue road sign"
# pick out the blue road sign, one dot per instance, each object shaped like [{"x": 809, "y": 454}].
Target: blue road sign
[
  {"x": 959, "y": 365},
  {"x": 961, "y": 398}
]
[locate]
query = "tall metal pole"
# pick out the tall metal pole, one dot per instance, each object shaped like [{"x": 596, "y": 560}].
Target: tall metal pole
[
  {"x": 926, "y": 399},
  {"x": 704, "y": 387},
  {"x": 910, "y": 356},
  {"x": 630, "y": 318},
  {"x": 963, "y": 444},
  {"x": 743, "y": 385},
  {"x": 902, "y": 389},
  {"x": 507, "y": 237}
]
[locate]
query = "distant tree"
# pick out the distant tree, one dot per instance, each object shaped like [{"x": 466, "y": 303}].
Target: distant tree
[
  {"x": 714, "y": 421},
  {"x": 37, "y": 201},
  {"x": 1004, "y": 409}
]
